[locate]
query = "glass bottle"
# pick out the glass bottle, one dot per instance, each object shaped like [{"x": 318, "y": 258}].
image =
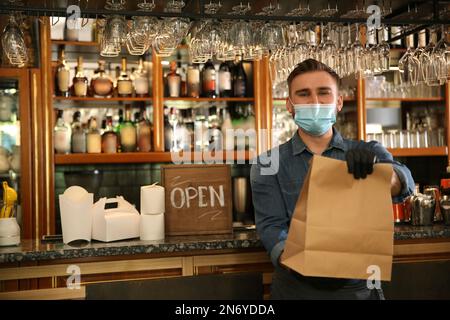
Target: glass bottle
[
  {"x": 239, "y": 80},
  {"x": 128, "y": 134},
  {"x": 225, "y": 81},
  {"x": 168, "y": 130},
  {"x": 189, "y": 123},
  {"x": 181, "y": 70},
  {"x": 93, "y": 138},
  {"x": 144, "y": 133},
  {"x": 209, "y": 80},
  {"x": 101, "y": 83},
  {"x": 141, "y": 80},
  {"x": 62, "y": 76},
  {"x": 80, "y": 82},
  {"x": 228, "y": 144},
  {"x": 124, "y": 83},
  {"x": 173, "y": 80},
  {"x": 109, "y": 138},
  {"x": 214, "y": 133},
  {"x": 62, "y": 135},
  {"x": 78, "y": 134},
  {"x": 201, "y": 129},
  {"x": 193, "y": 81}
]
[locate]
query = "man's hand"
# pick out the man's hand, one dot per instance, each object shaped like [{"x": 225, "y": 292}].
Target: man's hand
[{"x": 360, "y": 161}]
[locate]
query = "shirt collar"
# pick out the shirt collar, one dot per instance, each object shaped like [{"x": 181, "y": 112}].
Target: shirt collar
[{"x": 298, "y": 146}]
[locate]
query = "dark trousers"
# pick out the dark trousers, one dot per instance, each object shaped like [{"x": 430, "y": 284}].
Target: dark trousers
[{"x": 289, "y": 285}]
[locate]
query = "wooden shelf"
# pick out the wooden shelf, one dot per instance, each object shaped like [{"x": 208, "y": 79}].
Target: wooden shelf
[
  {"x": 418, "y": 152},
  {"x": 139, "y": 157},
  {"x": 406, "y": 99},
  {"x": 102, "y": 99},
  {"x": 209, "y": 99},
  {"x": 75, "y": 43},
  {"x": 345, "y": 99}
]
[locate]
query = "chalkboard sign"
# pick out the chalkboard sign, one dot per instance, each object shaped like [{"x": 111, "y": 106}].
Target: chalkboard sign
[{"x": 197, "y": 199}]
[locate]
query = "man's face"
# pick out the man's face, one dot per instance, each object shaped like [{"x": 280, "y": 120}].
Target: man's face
[{"x": 314, "y": 87}]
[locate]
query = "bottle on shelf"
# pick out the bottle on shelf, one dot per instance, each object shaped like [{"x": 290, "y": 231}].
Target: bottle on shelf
[
  {"x": 201, "y": 129},
  {"x": 173, "y": 81},
  {"x": 128, "y": 133},
  {"x": 239, "y": 80},
  {"x": 62, "y": 134},
  {"x": 193, "y": 81},
  {"x": 168, "y": 130},
  {"x": 124, "y": 83},
  {"x": 101, "y": 83},
  {"x": 93, "y": 138},
  {"x": 78, "y": 134},
  {"x": 174, "y": 118},
  {"x": 62, "y": 76},
  {"x": 181, "y": 70},
  {"x": 228, "y": 141},
  {"x": 119, "y": 122},
  {"x": 141, "y": 80},
  {"x": 209, "y": 80},
  {"x": 215, "y": 135},
  {"x": 109, "y": 138},
  {"x": 225, "y": 80},
  {"x": 144, "y": 133},
  {"x": 188, "y": 122},
  {"x": 80, "y": 82}
]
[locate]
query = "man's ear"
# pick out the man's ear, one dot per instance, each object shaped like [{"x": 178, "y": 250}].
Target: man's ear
[
  {"x": 289, "y": 106},
  {"x": 340, "y": 103}
]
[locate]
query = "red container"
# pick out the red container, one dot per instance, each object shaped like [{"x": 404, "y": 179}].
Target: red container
[{"x": 399, "y": 212}]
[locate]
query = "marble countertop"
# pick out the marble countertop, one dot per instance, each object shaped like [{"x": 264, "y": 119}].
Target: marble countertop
[{"x": 30, "y": 250}]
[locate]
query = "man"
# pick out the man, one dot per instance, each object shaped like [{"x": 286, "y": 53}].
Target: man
[{"x": 313, "y": 102}]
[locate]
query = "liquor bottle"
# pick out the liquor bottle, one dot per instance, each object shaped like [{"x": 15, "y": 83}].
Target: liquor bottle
[
  {"x": 101, "y": 83},
  {"x": 128, "y": 133},
  {"x": 78, "y": 134},
  {"x": 62, "y": 135},
  {"x": 124, "y": 83},
  {"x": 181, "y": 70},
  {"x": 173, "y": 80},
  {"x": 93, "y": 139},
  {"x": 193, "y": 81},
  {"x": 209, "y": 80},
  {"x": 141, "y": 80},
  {"x": 144, "y": 133},
  {"x": 215, "y": 135},
  {"x": 239, "y": 80},
  {"x": 225, "y": 80},
  {"x": 80, "y": 82},
  {"x": 201, "y": 129},
  {"x": 109, "y": 138},
  {"x": 168, "y": 131},
  {"x": 119, "y": 122},
  {"x": 227, "y": 127},
  {"x": 62, "y": 76},
  {"x": 189, "y": 125}
]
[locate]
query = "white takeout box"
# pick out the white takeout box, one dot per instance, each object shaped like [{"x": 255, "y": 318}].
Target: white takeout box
[
  {"x": 114, "y": 224},
  {"x": 76, "y": 220}
]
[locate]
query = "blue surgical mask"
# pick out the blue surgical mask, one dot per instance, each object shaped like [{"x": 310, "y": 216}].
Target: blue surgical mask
[{"x": 315, "y": 119}]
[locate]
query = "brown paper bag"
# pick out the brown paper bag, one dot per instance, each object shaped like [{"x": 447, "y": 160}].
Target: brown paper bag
[{"x": 341, "y": 226}]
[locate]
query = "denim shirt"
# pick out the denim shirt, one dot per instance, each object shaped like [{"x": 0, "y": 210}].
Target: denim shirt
[{"x": 275, "y": 195}]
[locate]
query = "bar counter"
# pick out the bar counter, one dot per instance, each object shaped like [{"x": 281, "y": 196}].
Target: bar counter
[
  {"x": 36, "y": 270},
  {"x": 30, "y": 250}
]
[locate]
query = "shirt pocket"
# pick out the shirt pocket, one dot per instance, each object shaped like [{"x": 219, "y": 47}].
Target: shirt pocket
[{"x": 290, "y": 189}]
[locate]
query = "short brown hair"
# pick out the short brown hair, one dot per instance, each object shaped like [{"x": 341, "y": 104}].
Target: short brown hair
[{"x": 310, "y": 65}]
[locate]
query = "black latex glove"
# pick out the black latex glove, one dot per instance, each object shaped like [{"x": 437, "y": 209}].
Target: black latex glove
[{"x": 360, "y": 161}]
